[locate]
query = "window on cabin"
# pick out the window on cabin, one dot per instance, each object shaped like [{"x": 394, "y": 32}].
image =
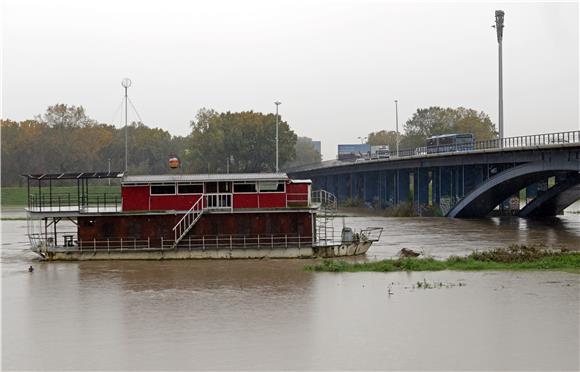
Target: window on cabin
[
  {"x": 225, "y": 187},
  {"x": 190, "y": 189},
  {"x": 245, "y": 187},
  {"x": 162, "y": 189},
  {"x": 211, "y": 187},
  {"x": 272, "y": 186}
]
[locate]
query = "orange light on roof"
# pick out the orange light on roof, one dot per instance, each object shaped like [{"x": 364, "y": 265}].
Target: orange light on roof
[{"x": 173, "y": 162}]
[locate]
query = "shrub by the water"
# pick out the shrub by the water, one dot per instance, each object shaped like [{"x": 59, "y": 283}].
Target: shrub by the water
[{"x": 514, "y": 257}]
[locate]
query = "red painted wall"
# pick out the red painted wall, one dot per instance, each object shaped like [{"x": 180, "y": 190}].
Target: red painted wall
[
  {"x": 172, "y": 202},
  {"x": 135, "y": 198},
  {"x": 297, "y": 194},
  {"x": 272, "y": 200},
  {"x": 245, "y": 201}
]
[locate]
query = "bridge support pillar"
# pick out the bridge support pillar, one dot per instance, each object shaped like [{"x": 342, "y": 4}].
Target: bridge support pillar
[
  {"x": 371, "y": 188},
  {"x": 422, "y": 187},
  {"x": 403, "y": 185}
]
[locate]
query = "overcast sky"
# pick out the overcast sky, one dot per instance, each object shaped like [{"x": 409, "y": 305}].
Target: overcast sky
[{"x": 337, "y": 66}]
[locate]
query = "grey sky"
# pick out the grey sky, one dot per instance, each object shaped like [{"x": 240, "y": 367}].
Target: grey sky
[{"x": 336, "y": 66}]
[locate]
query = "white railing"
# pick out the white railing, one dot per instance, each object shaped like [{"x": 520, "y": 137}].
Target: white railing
[
  {"x": 218, "y": 201},
  {"x": 325, "y": 199},
  {"x": 188, "y": 220},
  {"x": 192, "y": 242}
]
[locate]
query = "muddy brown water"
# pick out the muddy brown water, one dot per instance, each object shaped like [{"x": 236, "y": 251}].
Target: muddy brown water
[{"x": 272, "y": 315}]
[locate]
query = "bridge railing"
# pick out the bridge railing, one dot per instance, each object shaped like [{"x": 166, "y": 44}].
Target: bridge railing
[{"x": 509, "y": 142}]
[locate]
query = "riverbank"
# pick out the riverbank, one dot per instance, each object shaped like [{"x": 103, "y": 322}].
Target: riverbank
[{"x": 514, "y": 257}]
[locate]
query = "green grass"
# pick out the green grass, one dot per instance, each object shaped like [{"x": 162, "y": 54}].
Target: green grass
[
  {"x": 17, "y": 196},
  {"x": 515, "y": 257}
]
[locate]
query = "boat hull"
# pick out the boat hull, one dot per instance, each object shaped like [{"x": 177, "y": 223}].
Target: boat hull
[{"x": 327, "y": 251}]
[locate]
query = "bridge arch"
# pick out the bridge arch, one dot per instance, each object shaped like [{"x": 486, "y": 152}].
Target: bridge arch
[
  {"x": 483, "y": 199},
  {"x": 555, "y": 199}
]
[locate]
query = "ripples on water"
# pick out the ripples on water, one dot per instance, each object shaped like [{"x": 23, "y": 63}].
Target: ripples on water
[{"x": 270, "y": 314}]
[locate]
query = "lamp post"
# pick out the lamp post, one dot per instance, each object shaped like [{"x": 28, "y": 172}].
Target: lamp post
[
  {"x": 126, "y": 83},
  {"x": 499, "y": 30},
  {"x": 277, "y": 103},
  {"x": 397, "y": 125},
  {"x": 362, "y": 139}
]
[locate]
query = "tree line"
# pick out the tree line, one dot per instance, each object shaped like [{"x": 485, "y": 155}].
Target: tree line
[
  {"x": 434, "y": 121},
  {"x": 65, "y": 139}
]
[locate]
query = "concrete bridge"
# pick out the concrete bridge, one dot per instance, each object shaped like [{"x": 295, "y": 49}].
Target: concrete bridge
[{"x": 463, "y": 184}]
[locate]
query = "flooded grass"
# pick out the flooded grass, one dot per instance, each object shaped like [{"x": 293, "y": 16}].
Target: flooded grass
[{"x": 514, "y": 257}]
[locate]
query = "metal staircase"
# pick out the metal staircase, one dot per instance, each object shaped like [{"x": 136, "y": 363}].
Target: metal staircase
[
  {"x": 207, "y": 202},
  {"x": 325, "y": 217},
  {"x": 188, "y": 220}
]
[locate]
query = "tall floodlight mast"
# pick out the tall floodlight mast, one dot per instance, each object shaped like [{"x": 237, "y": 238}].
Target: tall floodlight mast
[
  {"x": 126, "y": 83},
  {"x": 277, "y": 103},
  {"x": 499, "y": 29},
  {"x": 397, "y": 124}
]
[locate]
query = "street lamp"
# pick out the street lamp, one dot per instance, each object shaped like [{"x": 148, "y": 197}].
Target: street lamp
[
  {"x": 277, "y": 103},
  {"x": 499, "y": 30},
  {"x": 397, "y": 124},
  {"x": 362, "y": 139},
  {"x": 126, "y": 83}
]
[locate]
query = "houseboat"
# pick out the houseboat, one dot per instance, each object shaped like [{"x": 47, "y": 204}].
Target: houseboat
[{"x": 185, "y": 216}]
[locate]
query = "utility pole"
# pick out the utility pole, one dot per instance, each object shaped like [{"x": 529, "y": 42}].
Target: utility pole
[
  {"x": 397, "y": 124},
  {"x": 126, "y": 83},
  {"x": 109, "y": 171},
  {"x": 499, "y": 30},
  {"x": 277, "y": 103}
]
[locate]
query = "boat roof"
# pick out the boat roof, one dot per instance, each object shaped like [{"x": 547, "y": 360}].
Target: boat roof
[
  {"x": 161, "y": 178},
  {"x": 72, "y": 176}
]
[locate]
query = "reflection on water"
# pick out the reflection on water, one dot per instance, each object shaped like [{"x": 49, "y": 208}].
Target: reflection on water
[{"x": 270, "y": 314}]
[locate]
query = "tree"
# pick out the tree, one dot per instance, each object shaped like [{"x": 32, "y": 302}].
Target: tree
[
  {"x": 246, "y": 140},
  {"x": 383, "y": 137},
  {"x": 306, "y": 153},
  {"x": 435, "y": 121},
  {"x": 64, "y": 116}
]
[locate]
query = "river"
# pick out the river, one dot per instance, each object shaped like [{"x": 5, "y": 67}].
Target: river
[{"x": 272, "y": 315}]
